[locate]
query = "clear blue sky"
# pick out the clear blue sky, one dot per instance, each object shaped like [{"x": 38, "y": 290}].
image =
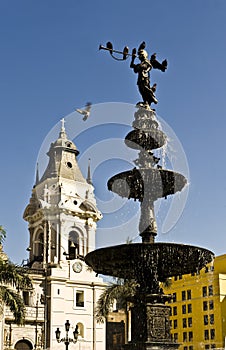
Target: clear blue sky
[{"x": 50, "y": 64}]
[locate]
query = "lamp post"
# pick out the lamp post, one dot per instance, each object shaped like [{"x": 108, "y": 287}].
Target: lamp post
[{"x": 67, "y": 340}]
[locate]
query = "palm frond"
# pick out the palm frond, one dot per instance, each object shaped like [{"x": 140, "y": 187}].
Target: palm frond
[
  {"x": 12, "y": 299},
  {"x": 12, "y": 279},
  {"x": 2, "y": 234},
  {"x": 14, "y": 275}
]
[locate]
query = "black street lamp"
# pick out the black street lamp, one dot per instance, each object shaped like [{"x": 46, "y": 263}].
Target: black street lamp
[{"x": 67, "y": 340}]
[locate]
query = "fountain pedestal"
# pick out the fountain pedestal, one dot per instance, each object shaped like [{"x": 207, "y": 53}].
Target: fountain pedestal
[{"x": 150, "y": 327}]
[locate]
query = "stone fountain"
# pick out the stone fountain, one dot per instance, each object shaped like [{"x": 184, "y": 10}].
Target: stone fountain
[{"x": 148, "y": 263}]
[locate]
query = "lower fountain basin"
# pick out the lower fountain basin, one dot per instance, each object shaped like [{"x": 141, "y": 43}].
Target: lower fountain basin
[{"x": 141, "y": 261}]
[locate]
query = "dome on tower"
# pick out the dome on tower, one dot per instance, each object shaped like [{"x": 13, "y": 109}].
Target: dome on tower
[{"x": 62, "y": 159}]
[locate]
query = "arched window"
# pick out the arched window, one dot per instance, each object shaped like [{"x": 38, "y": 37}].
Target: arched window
[
  {"x": 40, "y": 243},
  {"x": 23, "y": 345},
  {"x": 73, "y": 245},
  {"x": 38, "y": 246},
  {"x": 80, "y": 329}
]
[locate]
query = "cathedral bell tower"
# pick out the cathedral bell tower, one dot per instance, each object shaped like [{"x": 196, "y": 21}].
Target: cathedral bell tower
[
  {"x": 62, "y": 212},
  {"x": 62, "y": 216}
]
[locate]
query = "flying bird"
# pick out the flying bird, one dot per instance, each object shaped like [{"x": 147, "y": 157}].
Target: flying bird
[{"x": 86, "y": 111}]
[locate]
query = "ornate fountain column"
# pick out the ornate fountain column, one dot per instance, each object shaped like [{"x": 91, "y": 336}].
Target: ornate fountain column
[{"x": 150, "y": 327}]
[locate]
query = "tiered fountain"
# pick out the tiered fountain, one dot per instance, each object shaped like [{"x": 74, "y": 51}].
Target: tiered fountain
[{"x": 148, "y": 263}]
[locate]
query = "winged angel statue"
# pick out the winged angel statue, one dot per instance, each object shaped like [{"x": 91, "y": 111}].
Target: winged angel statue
[{"x": 143, "y": 70}]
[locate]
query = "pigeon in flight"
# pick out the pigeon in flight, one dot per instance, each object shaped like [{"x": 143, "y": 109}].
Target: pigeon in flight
[{"x": 85, "y": 112}]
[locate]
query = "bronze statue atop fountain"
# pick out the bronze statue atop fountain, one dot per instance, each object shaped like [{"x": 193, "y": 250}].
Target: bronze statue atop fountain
[{"x": 143, "y": 70}]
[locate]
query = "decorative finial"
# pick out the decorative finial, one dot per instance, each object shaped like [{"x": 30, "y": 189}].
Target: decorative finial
[
  {"x": 62, "y": 134},
  {"x": 62, "y": 125},
  {"x": 89, "y": 180},
  {"x": 37, "y": 175}
]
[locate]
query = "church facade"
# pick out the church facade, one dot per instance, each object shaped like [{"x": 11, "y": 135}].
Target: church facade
[{"x": 62, "y": 216}]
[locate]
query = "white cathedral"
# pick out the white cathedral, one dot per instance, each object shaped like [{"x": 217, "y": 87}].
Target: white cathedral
[{"x": 61, "y": 216}]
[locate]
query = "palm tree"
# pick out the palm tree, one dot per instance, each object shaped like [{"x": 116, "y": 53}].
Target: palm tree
[
  {"x": 13, "y": 278},
  {"x": 122, "y": 291}
]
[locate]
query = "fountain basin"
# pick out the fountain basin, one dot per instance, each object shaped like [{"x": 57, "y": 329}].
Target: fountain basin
[
  {"x": 141, "y": 261},
  {"x": 152, "y": 183},
  {"x": 145, "y": 139}
]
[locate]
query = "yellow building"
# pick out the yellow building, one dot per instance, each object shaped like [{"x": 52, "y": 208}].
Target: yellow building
[{"x": 198, "y": 319}]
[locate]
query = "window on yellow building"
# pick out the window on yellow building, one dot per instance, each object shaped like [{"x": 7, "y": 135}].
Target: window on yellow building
[
  {"x": 184, "y": 336},
  {"x": 183, "y": 309},
  {"x": 204, "y": 291},
  {"x": 206, "y": 334},
  {"x": 175, "y": 337},
  {"x": 189, "y": 308},
  {"x": 188, "y": 294},
  {"x": 183, "y": 295},
  {"x": 212, "y": 334},
  {"x": 211, "y": 305},
  {"x": 205, "y": 317},
  {"x": 212, "y": 319},
  {"x": 189, "y": 322},
  {"x": 190, "y": 336},
  {"x": 174, "y": 297},
  {"x": 205, "y": 306},
  {"x": 207, "y": 346},
  {"x": 190, "y": 347},
  {"x": 174, "y": 324},
  {"x": 185, "y": 348},
  {"x": 175, "y": 310},
  {"x": 184, "y": 322},
  {"x": 210, "y": 290}
]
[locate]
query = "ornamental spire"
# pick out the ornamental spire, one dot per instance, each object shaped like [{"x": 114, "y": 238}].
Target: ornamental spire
[
  {"x": 89, "y": 179},
  {"x": 37, "y": 175}
]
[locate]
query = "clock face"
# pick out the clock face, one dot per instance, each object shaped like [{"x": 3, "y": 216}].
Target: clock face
[{"x": 77, "y": 267}]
